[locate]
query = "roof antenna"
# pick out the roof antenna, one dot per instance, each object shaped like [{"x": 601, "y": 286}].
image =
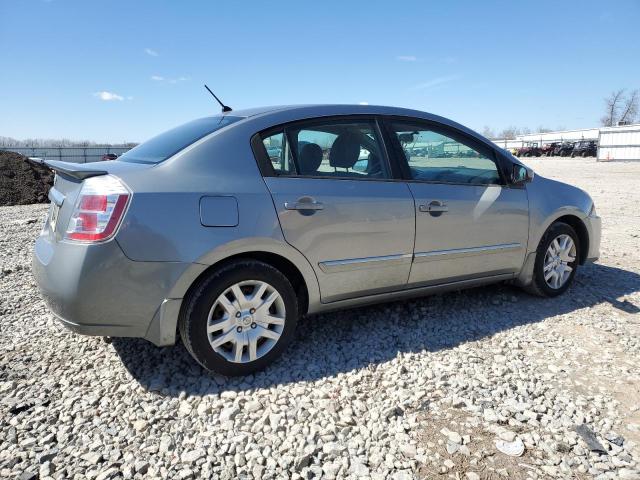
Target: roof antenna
[{"x": 224, "y": 107}]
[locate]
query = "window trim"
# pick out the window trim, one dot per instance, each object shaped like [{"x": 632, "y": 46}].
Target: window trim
[
  {"x": 266, "y": 167},
  {"x": 400, "y": 159}
]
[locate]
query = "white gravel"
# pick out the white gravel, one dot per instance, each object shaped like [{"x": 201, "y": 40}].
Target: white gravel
[{"x": 416, "y": 389}]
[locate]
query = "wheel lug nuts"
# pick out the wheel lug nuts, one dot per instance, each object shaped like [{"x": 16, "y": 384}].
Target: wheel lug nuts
[
  {"x": 238, "y": 314},
  {"x": 253, "y": 325},
  {"x": 239, "y": 329}
]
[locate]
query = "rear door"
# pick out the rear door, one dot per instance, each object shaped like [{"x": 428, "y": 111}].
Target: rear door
[
  {"x": 469, "y": 223},
  {"x": 332, "y": 187}
]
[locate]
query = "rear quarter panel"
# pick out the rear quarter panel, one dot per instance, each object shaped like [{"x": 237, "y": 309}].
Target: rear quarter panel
[{"x": 164, "y": 224}]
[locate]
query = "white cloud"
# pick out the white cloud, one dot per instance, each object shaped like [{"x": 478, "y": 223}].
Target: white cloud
[
  {"x": 172, "y": 81},
  {"x": 436, "y": 81},
  {"x": 363, "y": 103},
  {"x": 151, "y": 52},
  {"x": 108, "y": 96},
  {"x": 450, "y": 60},
  {"x": 407, "y": 58}
]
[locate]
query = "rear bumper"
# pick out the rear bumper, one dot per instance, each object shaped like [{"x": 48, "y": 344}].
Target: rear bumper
[
  {"x": 97, "y": 290},
  {"x": 100, "y": 330}
]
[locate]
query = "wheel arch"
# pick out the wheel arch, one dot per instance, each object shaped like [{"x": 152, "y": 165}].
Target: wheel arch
[
  {"x": 163, "y": 329},
  {"x": 281, "y": 263},
  {"x": 526, "y": 273},
  {"x": 581, "y": 230}
]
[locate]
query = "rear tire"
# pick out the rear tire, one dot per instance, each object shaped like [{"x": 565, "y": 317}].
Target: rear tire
[
  {"x": 541, "y": 286},
  {"x": 248, "y": 302}
]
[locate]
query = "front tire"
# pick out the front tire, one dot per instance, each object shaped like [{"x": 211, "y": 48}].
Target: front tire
[
  {"x": 557, "y": 259},
  {"x": 240, "y": 318}
]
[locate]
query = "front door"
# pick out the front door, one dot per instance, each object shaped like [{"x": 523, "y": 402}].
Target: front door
[
  {"x": 469, "y": 223},
  {"x": 336, "y": 204}
]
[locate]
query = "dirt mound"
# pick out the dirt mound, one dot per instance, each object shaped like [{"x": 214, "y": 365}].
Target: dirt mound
[{"x": 21, "y": 181}]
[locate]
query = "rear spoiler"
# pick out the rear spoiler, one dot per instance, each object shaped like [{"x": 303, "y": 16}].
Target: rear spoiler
[{"x": 75, "y": 170}]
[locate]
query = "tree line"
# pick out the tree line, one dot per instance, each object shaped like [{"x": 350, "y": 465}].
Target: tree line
[
  {"x": 57, "y": 143},
  {"x": 511, "y": 132},
  {"x": 620, "y": 108}
]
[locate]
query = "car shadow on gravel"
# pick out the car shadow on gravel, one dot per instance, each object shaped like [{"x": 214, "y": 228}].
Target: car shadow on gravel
[{"x": 329, "y": 344}]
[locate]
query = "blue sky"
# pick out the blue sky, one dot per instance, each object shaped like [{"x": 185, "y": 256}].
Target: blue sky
[{"x": 126, "y": 70}]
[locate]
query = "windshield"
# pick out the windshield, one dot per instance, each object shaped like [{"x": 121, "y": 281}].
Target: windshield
[{"x": 169, "y": 143}]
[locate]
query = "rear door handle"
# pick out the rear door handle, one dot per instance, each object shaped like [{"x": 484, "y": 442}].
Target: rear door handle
[
  {"x": 303, "y": 205},
  {"x": 435, "y": 207}
]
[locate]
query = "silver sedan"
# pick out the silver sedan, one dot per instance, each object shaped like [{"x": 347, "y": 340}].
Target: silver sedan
[{"x": 227, "y": 229}]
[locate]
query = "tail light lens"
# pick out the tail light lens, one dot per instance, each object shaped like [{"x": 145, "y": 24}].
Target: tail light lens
[{"x": 99, "y": 209}]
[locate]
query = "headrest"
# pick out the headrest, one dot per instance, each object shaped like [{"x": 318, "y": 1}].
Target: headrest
[
  {"x": 309, "y": 158},
  {"x": 345, "y": 150}
]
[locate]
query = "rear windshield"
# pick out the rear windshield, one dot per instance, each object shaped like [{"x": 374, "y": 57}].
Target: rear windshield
[{"x": 172, "y": 141}]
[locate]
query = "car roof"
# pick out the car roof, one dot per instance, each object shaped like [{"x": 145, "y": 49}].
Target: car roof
[
  {"x": 332, "y": 109},
  {"x": 285, "y": 113}
]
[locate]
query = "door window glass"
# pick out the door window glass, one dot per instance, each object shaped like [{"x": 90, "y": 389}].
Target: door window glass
[
  {"x": 338, "y": 149},
  {"x": 279, "y": 153},
  {"x": 434, "y": 157}
]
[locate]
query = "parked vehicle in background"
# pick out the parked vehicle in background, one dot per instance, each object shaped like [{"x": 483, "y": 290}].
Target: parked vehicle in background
[
  {"x": 208, "y": 231},
  {"x": 530, "y": 149},
  {"x": 548, "y": 148},
  {"x": 563, "y": 149},
  {"x": 585, "y": 148},
  {"x": 274, "y": 152},
  {"x": 109, "y": 156}
]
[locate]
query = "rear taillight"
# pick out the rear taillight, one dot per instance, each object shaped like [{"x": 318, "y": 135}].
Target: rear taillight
[{"x": 99, "y": 209}]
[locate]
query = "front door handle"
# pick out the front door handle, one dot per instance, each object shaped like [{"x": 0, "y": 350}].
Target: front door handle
[
  {"x": 303, "y": 204},
  {"x": 434, "y": 208}
]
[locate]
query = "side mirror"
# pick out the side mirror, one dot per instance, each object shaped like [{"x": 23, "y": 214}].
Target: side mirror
[{"x": 521, "y": 174}]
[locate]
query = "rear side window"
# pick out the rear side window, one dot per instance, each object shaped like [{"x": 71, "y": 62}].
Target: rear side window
[
  {"x": 335, "y": 149},
  {"x": 279, "y": 153},
  {"x": 172, "y": 141}
]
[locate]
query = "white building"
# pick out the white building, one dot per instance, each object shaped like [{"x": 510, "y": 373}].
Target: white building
[
  {"x": 619, "y": 143},
  {"x": 549, "y": 137},
  {"x": 614, "y": 143}
]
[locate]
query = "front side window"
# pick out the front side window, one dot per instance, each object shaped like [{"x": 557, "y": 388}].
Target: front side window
[
  {"x": 435, "y": 157},
  {"x": 335, "y": 149}
]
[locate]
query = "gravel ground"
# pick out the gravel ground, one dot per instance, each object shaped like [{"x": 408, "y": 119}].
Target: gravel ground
[{"x": 417, "y": 389}]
